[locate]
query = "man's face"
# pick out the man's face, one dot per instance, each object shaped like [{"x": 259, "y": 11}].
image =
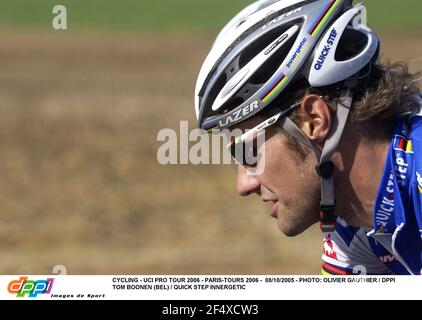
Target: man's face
[{"x": 288, "y": 183}]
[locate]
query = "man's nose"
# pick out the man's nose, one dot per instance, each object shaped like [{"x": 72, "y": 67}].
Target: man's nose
[{"x": 246, "y": 184}]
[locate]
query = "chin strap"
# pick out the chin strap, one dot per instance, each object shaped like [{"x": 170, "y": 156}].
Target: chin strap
[{"x": 325, "y": 167}]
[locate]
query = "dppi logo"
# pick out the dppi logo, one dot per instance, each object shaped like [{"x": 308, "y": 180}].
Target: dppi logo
[{"x": 32, "y": 288}]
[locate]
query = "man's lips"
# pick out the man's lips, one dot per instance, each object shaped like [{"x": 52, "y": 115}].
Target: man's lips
[{"x": 274, "y": 208}]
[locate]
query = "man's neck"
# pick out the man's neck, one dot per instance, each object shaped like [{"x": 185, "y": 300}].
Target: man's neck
[{"x": 360, "y": 163}]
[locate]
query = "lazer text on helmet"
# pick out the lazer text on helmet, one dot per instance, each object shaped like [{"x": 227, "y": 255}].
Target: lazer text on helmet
[{"x": 239, "y": 114}]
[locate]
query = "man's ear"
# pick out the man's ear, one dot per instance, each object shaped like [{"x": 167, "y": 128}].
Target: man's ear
[{"x": 315, "y": 118}]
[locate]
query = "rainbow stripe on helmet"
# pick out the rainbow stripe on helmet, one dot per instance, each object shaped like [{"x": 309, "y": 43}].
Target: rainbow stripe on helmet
[{"x": 325, "y": 14}]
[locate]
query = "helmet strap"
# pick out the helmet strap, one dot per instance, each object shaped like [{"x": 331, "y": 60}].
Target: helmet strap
[{"x": 325, "y": 167}]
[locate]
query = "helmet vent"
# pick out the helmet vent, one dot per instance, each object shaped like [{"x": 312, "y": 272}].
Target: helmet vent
[
  {"x": 233, "y": 103},
  {"x": 220, "y": 83},
  {"x": 263, "y": 74},
  {"x": 351, "y": 44},
  {"x": 261, "y": 43}
]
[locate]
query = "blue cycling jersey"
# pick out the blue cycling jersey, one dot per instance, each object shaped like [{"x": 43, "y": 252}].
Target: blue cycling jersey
[{"x": 394, "y": 246}]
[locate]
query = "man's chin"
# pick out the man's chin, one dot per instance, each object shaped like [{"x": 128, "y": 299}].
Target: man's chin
[
  {"x": 292, "y": 229},
  {"x": 289, "y": 232}
]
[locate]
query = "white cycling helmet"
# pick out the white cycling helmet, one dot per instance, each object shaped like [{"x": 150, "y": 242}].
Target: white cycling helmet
[{"x": 272, "y": 44}]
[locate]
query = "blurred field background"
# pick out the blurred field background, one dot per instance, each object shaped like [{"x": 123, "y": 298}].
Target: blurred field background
[{"x": 80, "y": 110}]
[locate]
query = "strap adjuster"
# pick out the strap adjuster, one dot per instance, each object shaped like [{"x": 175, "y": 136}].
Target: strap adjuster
[
  {"x": 325, "y": 170},
  {"x": 327, "y": 213},
  {"x": 327, "y": 218},
  {"x": 328, "y": 228}
]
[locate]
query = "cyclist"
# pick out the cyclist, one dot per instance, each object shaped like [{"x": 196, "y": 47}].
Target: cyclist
[{"x": 307, "y": 74}]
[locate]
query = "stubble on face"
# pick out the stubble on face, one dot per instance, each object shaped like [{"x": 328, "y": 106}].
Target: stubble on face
[{"x": 293, "y": 182}]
